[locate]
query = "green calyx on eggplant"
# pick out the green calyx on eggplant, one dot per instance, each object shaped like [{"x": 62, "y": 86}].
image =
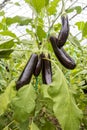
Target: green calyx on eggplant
[
  {"x": 46, "y": 70},
  {"x": 61, "y": 55},
  {"x": 64, "y": 32},
  {"x": 38, "y": 66},
  {"x": 26, "y": 74}
]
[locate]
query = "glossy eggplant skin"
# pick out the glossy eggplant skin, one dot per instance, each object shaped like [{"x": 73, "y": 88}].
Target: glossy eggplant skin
[
  {"x": 64, "y": 32},
  {"x": 46, "y": 70},
  {"x": 38, "y": 66},
  {"x": 26, "y": 74},
  {"x": 61, "y": 55}
]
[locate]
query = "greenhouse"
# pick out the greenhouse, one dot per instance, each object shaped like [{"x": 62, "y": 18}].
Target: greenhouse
[{"x": 43, "y": 65}]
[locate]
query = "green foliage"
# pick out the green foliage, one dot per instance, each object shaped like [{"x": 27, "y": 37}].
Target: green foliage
[
  {"x": 40, "y": 33},
  {"x": 2, "y": 13},
  {"x": 84, "y": 32},
  {"x": 18, "y": 19},
  {"x": 7, "y": 44},
  {"x": 77, "y": 8},
  {"x": 4, "y": 53},
  {"x": 24, "y": 102},
  {"x": 64, "y": 106},
  {"x": 6, "y": 97},
  {"x": 80, "y": 25},
  {"x": 73, "y": 40},
  {"x": 8, "y": 33},
  {"x": 37, "y": 4},
  {"x": 55, "y": 106},
  {"x": 33, "y": 126},
  {"x": 52, "y": 8}
]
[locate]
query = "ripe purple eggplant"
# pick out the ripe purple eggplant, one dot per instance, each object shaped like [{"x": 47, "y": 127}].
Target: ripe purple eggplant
[
  {"x": 46, "y": 70},
  {"x": 64, "y": 32},
  {"x": 26, "y": 74},
  {"x": 61, "y": 55},
  {"x": 38, "y": 66}
]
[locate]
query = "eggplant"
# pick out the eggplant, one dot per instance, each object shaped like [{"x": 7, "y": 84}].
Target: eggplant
[
  {"x": 61, "y": 55},
  {"x": 26, "y": 74},
  {"x": 46, "y": 70},
  {"x": 64, "y": 32},
  {"x": 38, "y": 66}
]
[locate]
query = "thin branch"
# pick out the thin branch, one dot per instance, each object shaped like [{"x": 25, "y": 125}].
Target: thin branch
[
  {"x": 3, "y": 4},
  {"x": 71, "y": 4},
  {"x": 77, "y": 34},
  {"x": 77, "y": 13},
  {"x": 54, "y": 22},
  {"x": 60, "y": 14}
]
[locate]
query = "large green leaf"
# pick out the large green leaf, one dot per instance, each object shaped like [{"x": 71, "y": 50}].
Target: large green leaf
[
  {"x": 6, "y": 97},
  {"x": 64, "y": 107},
  {"x": 24, "y": 103},
  {"x": 6, "y": 44},
  {"x": 18, "y": 19},
  {"x": 4, "y": 53},
  {"x": 40, "y": 33},
  {"x": 8, "y": 33},
  {"x": 37, "y": 4},
  {"x": 52, "y": 9}
]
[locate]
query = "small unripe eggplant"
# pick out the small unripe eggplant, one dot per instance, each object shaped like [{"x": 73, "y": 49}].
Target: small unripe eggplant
[
  {"x": 46, "y": 70},
  {"x": 62, "y": 56},
  {"x": 26, "y": 74},
  {"x": 38, "y": 66},
  {"x": 64, "y": 32}
]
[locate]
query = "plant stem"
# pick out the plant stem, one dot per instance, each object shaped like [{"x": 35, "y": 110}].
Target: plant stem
[
  {"x": 63, "y": 7},
  {"x": 71, "y": 4},
  {"x": 77, "y": 13}
]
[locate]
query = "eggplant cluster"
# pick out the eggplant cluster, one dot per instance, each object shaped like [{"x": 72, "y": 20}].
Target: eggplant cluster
[
  {"x": 34, "y": 66},
  {"x": 36, "y": 63},
  {"x": 58, "y": 43}
]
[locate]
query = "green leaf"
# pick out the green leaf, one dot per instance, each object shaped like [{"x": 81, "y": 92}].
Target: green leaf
[
  {"x": 6, "y": 44},
  {"x": 84, "y": 32},
  {"x": 4, "y": 53},
  {"x": 57, "y": 27},
  {"x": 80, "y": 25},
  {"x": 48, "y": 126},
  {"x": 1, "y": 26},
  {"x": 17, "y": 3},
  {"x": 6, "y": 97},
  {"x": 33, "y": 126},
  {"x": 52, "y": 9},
  {"x": 65, "y": 108},
  {"x": 29, "y": 32},
  {"x": 6, "y": 128},
  {"x": 77, "y": 8},
  {"x": 46, "y": 2},
  {"x": 24, "y": 125},
  {"x": 24, "y": 103},
  {"x": 74, "y": 41},
  {"x": 18, "y": 19},
  {"x": 8, "y": 33},
  {"x": 36, "y": 4},
  {"x": 2, "y": 13},
  {"x": 40, "y": 33}
]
